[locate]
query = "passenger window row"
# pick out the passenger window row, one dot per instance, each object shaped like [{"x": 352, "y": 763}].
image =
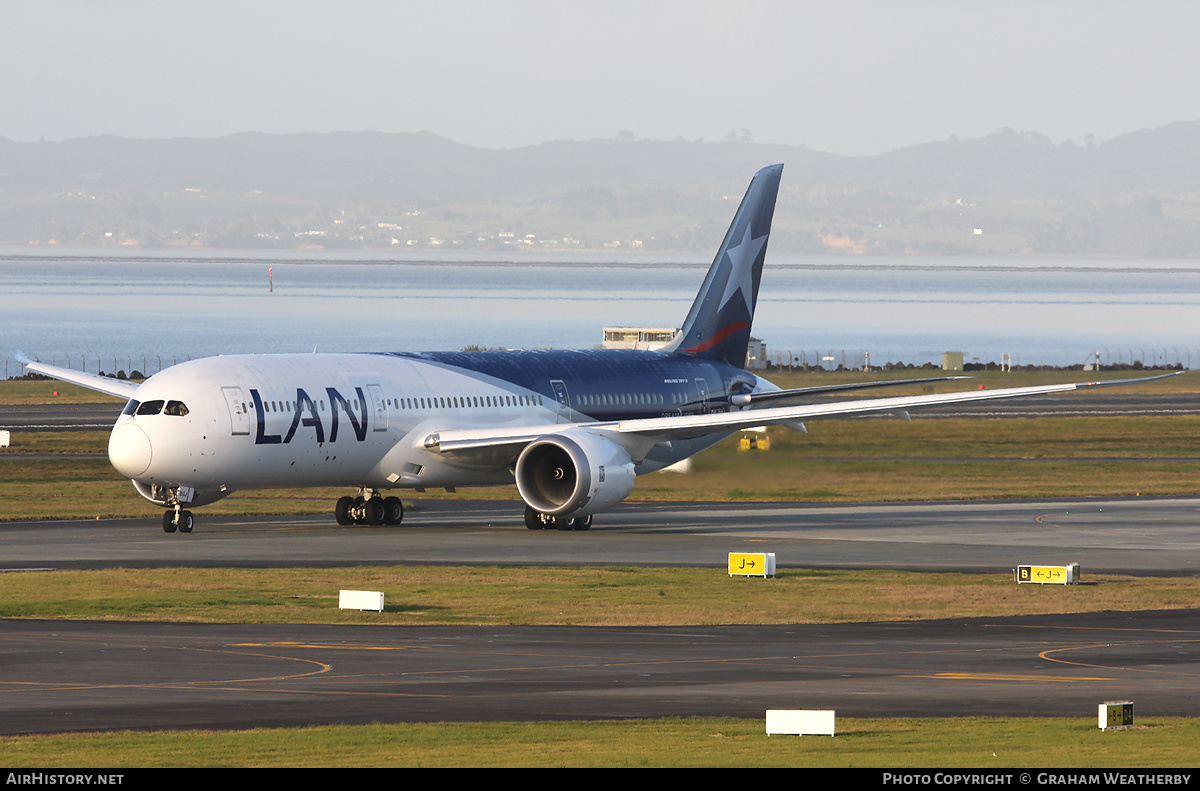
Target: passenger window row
[
  {"x": 452, "y": 402},
  {"x": 465, "y": 402},
  {"x": 629, "y": 399},
  {"x": 179, "y": 409}
]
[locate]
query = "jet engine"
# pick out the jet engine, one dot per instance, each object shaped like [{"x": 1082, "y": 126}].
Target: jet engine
[{"x": 574, "y": 473}]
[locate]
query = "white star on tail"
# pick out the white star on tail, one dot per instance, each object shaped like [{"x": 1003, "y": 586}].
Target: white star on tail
[{"x": 741, "y": 276}]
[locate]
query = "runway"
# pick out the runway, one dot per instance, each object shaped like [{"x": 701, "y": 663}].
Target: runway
[{"x": 61, "y": 417}]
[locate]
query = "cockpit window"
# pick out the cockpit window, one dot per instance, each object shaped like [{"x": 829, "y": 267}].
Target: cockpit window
[
  {"x": 131, "y": 407},
  {"x": 177, "y": 408},
  {"x": 150, "y": 407}
]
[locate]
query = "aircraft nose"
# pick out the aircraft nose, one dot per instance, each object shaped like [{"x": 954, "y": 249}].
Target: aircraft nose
[{"x": 129, "y": 450}]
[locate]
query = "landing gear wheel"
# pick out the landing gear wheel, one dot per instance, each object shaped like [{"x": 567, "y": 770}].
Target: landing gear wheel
[
  {"x": 393, "y": 511},
  {"x": 359, "y": 512},
  {"x": 341, "y": 511},
  {"x": 534, "y": 520},
  {"x": 183, "y": 521},
  {"x": 374, "y": 511}
]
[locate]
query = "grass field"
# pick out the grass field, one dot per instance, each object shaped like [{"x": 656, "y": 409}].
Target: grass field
[
  {"x": 975, "y": 743},
  {"x": 576, "y": 596}
]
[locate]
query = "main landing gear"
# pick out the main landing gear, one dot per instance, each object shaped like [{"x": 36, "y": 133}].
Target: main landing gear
[
  {"x": 536, "y": 520},
  {"x": 178, "y": 519},
  {"x": 369, "y": 508}
]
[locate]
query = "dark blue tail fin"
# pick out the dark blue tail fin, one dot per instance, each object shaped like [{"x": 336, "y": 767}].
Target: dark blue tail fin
[{"x": 718, "y": 325}]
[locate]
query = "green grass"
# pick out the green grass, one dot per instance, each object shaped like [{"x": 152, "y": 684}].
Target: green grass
[
  {"x": 42, "y": 391},
  {"x": 582, "y": 596},
  {"x": 941, "y": 744},
  {"x": 57, "y": 442}
]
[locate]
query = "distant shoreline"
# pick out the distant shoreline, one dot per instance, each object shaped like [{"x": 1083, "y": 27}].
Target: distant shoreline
[{"x": 597, "y": 258}]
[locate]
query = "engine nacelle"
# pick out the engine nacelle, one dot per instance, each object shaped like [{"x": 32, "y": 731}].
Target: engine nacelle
[{"x": 574, "y": 473}]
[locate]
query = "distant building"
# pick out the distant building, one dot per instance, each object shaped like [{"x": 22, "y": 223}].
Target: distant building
[
  {"x": 651, "y": 338},
  {"x": 756, "y": 355},
  {"x": 654, "y": 338}
]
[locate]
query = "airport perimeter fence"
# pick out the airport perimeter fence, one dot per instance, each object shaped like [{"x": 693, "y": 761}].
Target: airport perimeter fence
[
  {"x": 1111, "y": 359},
  {"x": 144, "y": 364},
  {"x": 94, "y": 363}
]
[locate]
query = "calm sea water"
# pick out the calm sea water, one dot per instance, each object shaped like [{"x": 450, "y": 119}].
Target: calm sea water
[{"x": 134, "y": 306}]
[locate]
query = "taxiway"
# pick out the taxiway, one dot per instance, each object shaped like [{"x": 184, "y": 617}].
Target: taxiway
[{"x": 1156, "y": 536}]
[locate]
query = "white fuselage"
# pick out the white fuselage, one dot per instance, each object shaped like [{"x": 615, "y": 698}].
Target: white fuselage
[{"x": 253, "y": 421}]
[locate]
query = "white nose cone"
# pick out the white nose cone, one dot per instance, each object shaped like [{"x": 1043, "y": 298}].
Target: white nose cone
[{"x": 129, "y": 450}]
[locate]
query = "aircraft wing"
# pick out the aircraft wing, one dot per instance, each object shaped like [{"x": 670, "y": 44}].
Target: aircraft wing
[
  {"x": 638, "y": 434},
  {"x": 103, "y": 384},
  {"x": 690, "y": 425},
  {"x": 742, "y": 399}
]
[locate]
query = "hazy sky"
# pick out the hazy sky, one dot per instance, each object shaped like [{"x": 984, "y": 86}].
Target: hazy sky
[{"x": 850, "y": 77}]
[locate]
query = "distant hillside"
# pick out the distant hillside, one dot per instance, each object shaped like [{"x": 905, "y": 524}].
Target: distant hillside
[{"x": 1136, "y": 195}]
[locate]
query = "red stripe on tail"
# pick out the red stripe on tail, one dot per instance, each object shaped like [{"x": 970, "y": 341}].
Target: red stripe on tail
[{"x": 720, "y": 336}]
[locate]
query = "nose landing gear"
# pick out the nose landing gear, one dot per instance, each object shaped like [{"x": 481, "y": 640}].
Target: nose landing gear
[{"x": 178, "y": 519}]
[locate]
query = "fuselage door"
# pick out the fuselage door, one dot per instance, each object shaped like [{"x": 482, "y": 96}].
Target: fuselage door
[
  {"x": 702, "y": 393},
  {"x": 380, "y": 406},
  {"x": 239, "y": 415},
  {"x": 563, "y": 399}
]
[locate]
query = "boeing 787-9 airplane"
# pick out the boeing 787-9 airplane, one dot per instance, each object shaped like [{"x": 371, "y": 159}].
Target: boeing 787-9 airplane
[{"x": 572, "y": 428}]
